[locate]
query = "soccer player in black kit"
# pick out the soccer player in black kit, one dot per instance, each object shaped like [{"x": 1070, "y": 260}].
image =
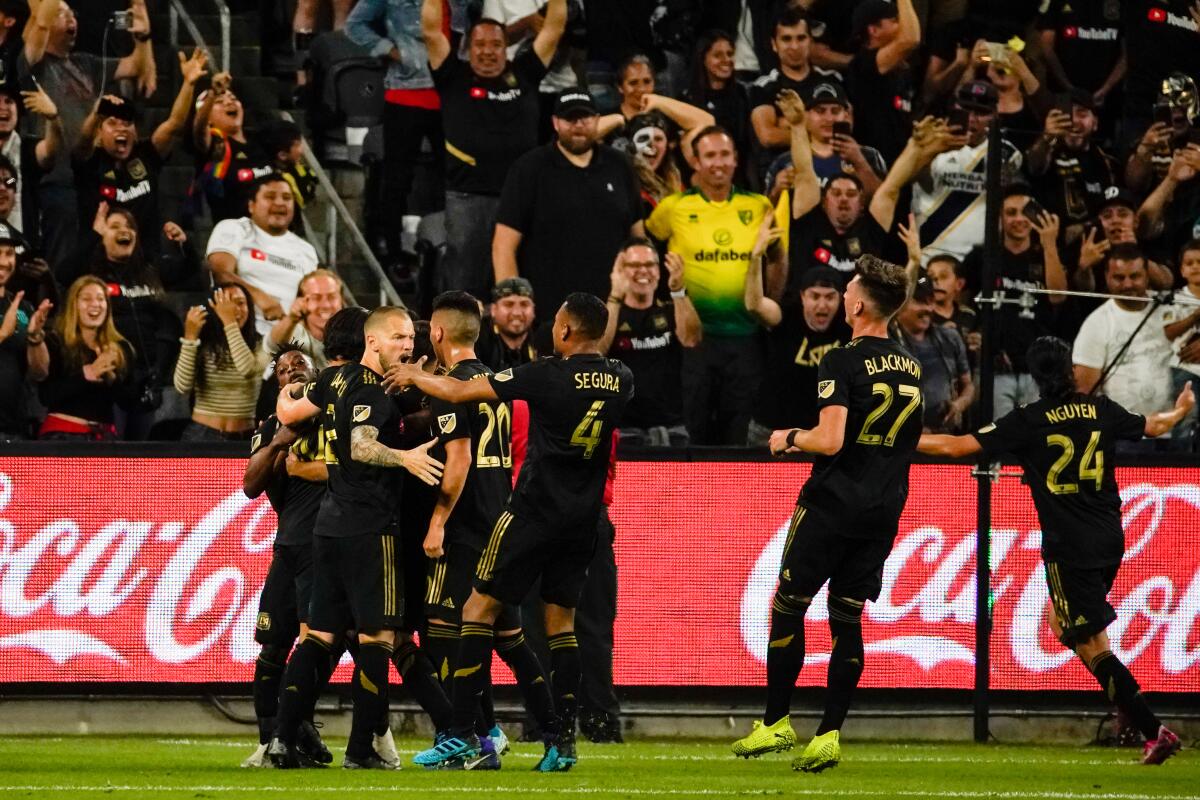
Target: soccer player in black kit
[
  {"x": 356, "y": 582},
  {"x": 548, "y": 529},
  {"x": 475, "y": 443},
  {"x": 290, "y": 467},
  {"x": 869, "y": 401},
  {"x": 1065, "y": 442}
]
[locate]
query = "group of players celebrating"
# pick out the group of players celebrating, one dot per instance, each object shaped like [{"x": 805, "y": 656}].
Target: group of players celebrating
[
  {"x": 344, "y": 574},
  {"x": 348, "y": 573}
]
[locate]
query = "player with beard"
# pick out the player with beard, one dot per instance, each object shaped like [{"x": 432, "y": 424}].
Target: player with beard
[
  {"x": 356, "y": 583},
  {"x": 475, "y": 439},
  {"x": 848, "y": 514},
  {"x": 506, "y": 337},
  {"x": 1065, "y": 442},
  {"x": 548, "y": 529}
]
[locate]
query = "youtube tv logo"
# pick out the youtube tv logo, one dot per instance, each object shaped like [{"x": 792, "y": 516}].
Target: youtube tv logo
[{"x": 1157, "y": 15}]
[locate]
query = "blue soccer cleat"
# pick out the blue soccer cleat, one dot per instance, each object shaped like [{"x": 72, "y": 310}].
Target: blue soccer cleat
[{"x": 447, "y": 750}]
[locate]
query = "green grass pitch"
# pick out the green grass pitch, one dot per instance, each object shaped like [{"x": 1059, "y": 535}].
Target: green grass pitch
[{"x": 142, "y": 767}]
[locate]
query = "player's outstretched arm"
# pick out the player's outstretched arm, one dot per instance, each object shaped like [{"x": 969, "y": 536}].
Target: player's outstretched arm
[
  {"x": 366, "y": 448},
  {"x": 825, "y": 440},
  {"x": 1163, "y": 421},
  {"x": 940, "y": 444},
  {"x": 439, "y": 386},
  {"x": 293, "y": 407}
]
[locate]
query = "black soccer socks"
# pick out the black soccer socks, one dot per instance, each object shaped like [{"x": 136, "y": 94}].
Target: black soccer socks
[
  {"x": 300, "y": 686},
  {"x": 520, "y": 658},
  {"x": 845, "y": 661},
  {"x": 268, "y": 670},
  {"x": 1123, "y": 690},
  {"x": 471, "y": 670},
  {"x": 566, "y": 669},
  {"x": 421, "y": 681},
  {"x": 369, "y": 691},
  {"x": 785, "y": 654},
  {"x": 440, "y": 643}
]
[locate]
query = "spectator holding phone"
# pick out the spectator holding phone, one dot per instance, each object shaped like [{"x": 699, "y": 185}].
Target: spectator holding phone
[
  {"x": 1025, "y": 263},
  {"x": 1069, "y": 169},
  {"x": 228, "y": 162},
  {"x": 1021, "y": 100},
  {"x": 1176, "y": 111},
  {"x": 878, "y": 78}
]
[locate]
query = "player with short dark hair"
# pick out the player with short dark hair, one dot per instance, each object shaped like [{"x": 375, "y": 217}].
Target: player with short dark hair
[
  {"x": 548, "y": 529},
  {"x": 475, "y": 443},
  {"x": 356, "y": 582},
  {"x": 847, "y": 517},
  {"x": 1065, "y": 442}
]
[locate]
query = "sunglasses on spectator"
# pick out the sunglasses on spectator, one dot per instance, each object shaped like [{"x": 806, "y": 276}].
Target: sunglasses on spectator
[{"x": 9, "y": 183}]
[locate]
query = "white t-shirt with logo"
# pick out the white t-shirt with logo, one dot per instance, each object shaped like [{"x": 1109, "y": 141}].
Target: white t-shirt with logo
[
  {"x": 272, "y": 264},
  {"x": 508, "y": 12},
  {"x": 1141, "y": 381}
]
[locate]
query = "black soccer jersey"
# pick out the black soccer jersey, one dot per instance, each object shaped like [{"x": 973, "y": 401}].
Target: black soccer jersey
[
  {"x": 360, "y": 498},
  {"x": 1066, "y": 449},
  {"x": 295, "y": 500},
  {"x": 488, "y": 426},
  {"x": 574, "y": 406},
  {"x": 864, "y": 485}
]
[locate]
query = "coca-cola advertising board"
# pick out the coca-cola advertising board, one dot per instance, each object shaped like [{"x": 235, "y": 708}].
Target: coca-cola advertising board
[{"x": 149, "y": 570}]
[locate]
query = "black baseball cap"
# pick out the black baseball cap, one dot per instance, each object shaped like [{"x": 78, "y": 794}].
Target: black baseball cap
[
  {"x": 122, "y": 110},
  {"x": 825, "y": 92},
  {"x": 12, "y": 91},
  {"x": 821, "y": 275},
  {"x": 923, "y": 291},
  {"x": 1082, "y": 97},
  {"x": 870, "y": 12},
  {"x": 978, "y": 96},
  {"x": 574, "y": 102},
  {"x": 1117, "y": 196},
  {"x": 509, "y": 287}
]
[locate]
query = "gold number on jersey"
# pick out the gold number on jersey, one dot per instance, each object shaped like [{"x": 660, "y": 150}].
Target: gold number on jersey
[
  {"x": 1091, "y": 467},
  {"x": 496, "y": 421},
  {"x": 913, "y": 393},
  {"x": 330, "y": 436},
  {"x": 587, "y": 432}
]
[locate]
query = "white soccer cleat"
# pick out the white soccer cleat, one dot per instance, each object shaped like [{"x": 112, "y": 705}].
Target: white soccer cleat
[
  {"x": 258, "y": 758},
  {"x": 385, "y": 748}
]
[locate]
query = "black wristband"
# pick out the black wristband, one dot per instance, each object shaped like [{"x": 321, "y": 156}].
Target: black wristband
[
  {"x": 791, "y": 437},
  {"x": 141, "y": 37}
]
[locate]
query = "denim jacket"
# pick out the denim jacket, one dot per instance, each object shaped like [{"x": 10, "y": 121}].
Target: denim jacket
[{"x": 402, "y": 20}]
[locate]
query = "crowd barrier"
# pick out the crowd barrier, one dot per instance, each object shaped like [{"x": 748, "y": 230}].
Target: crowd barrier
[{"x": 134, "y": 570}]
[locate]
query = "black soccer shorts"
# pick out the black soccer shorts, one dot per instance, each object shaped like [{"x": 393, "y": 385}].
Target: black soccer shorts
[
  {"x": 1080, "y": 600},
  {"x": 520, "y": 551},
  {"x": 285, "y": 595},
  {"x": 817, "y": 551},
  {"x": 412, "y": 565},
  {"x": 449, "y": 583},
  {"x": 356, "y": 583}
]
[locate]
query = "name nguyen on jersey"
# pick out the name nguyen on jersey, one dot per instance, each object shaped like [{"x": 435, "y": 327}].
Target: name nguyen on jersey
[
  {"x": 893, "y": 363},
  {"x": 605, "y": 381},
  {"x": 1071, "y": 411}
]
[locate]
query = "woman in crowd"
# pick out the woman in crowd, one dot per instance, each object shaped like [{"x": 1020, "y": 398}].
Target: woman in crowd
[
  {"x": 111, "y": 250},
  {"x": 221, "y": 364},
  {"x": 714, "y": 89},
  {"x": 90, "y": 367},
  {"x": 227, "y": 159},
  {"x": 654, "y": 159},
  {"x": 635, "y": 82}
]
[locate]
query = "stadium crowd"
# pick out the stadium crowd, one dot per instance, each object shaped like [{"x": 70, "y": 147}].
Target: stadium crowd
[{"x": 712, "y": 169}]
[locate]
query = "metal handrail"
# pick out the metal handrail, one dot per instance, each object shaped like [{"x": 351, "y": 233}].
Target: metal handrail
[
  {"x": 385, "y": 284},
  {"x": 178, "y": 12}
]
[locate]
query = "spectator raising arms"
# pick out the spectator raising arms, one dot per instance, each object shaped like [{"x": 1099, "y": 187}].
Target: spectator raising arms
[
  {"x": 89, "y": 367},
  {"x": 112, "y": 164},
  {"x": 228, "y": 161},
  {"x": 260, "y": 254},
  {"x": 490, "y": 119},
  {"x": 30, "y": 157},
  {"x": 23, "y": 354},
  {"x": 221, "y": 365}
]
